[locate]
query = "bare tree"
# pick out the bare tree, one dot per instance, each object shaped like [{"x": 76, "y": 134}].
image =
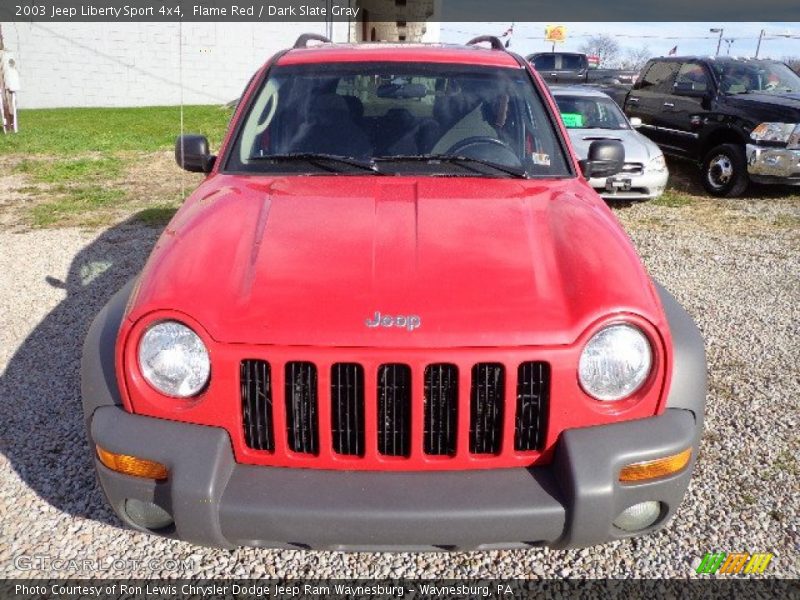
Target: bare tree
[
  {"x": 793, "y": 62},
  {"x": 603, "y": 46},
  {"x": 635, "y": 58}
]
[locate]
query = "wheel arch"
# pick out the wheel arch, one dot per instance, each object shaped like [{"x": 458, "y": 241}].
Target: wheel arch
[{"x": 718, "y": 136}]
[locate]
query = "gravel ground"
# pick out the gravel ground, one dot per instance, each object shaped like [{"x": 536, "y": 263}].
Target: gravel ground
[{"x": 735, "y": 265}]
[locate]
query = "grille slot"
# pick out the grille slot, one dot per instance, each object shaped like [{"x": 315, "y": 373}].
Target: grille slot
[
  {"x": 256, "y": 393},
  {"x": 487, "y": 394},
  {"x": 347, "y": 408},
  {"x": 441, "y": 409},
  {"x": 394, "y": 410},
  {"x": 533, "y": 385},
  {"x": 301, "y": 407}
]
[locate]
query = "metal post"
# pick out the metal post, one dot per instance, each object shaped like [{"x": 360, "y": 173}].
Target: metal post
[
  {"x": 760, "y": 37},
  {"x": 720, "y": 31}
]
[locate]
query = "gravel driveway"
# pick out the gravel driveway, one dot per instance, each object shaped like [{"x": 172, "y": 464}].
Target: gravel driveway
[{"x": 735, "y": 265}]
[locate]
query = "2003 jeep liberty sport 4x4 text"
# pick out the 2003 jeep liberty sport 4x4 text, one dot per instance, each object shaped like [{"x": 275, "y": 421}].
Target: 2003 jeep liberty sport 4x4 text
[{"x": 394, "y": 316}]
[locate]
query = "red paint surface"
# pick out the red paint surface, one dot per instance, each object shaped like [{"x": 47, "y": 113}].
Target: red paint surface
[{"x": 289, "y": 268}]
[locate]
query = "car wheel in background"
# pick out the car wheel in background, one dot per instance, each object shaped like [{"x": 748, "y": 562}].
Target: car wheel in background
[{"x": 725, "y": 171}]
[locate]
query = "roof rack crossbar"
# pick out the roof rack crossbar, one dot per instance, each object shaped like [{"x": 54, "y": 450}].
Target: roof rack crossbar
[
  {"x": 302, "y": 41},
  {"x": 493, "y": 40}
]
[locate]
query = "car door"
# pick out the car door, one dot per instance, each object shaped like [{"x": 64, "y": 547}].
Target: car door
[
  {"x": 646, "y": 100},
  {"x": 686, "y": 107}
]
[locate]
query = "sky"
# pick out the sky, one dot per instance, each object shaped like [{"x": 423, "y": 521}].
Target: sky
[{"x": 659, "y": 38}]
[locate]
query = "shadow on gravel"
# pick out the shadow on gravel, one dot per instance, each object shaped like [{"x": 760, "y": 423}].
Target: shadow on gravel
[{"x": 42, "y": 429}]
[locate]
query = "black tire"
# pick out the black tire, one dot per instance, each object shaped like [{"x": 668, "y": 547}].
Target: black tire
[{"x": 725, "y": 171}]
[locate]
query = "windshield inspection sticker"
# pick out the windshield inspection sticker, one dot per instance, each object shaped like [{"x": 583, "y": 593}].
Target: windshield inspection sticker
[
  {"x": 572, "y": 119},
  {"x": 540, "y": 158}
]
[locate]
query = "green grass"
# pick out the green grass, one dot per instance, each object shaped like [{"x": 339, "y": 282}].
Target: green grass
[
  {"x": 73, "y": 201},
  {"x": 156, "y": 216},
  {"x": 71, "y": 170},
  {"x": 672, "y": 199},
  {"x": 64, "y": 132}
]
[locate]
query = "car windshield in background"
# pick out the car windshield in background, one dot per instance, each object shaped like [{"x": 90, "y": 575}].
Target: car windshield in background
[
  {"x": 390, "y": 118},
  {"x": 743, "y": 78},
  {"x": 590, "y": 112}
]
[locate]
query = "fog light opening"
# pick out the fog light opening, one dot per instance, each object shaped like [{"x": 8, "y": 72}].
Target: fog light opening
[
  {"x": 147, "y": 515},
  {"x": 639, "y": 516}
]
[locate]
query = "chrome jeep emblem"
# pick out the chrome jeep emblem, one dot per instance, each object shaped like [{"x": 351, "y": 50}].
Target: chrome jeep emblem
[{"x": 410, "y": 322}]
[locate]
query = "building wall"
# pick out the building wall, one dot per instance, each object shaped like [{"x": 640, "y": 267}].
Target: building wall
[
  {"x": 412, "y": 21},
  {"x": 145, "y": 64}
]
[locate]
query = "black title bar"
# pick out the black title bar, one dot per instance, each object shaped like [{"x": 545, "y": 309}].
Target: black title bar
[{"x": 387, "y": 10}]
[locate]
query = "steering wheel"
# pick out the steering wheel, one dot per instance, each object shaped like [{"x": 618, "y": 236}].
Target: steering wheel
[{"x": 485, "y": 147}]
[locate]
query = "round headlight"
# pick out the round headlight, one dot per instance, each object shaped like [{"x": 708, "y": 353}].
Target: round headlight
[
  {"x": 174, "y": 360},
  {"x": 615, "y": 362}
]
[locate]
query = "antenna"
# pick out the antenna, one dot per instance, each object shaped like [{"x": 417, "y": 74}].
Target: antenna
[{"x": 493, "y": 40}]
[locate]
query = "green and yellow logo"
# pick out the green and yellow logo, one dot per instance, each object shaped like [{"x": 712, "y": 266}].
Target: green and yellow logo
[{"x": 732, "y": 564}]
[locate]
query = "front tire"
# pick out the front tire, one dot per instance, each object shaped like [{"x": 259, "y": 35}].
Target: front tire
[{"x": 725, "y": 171}]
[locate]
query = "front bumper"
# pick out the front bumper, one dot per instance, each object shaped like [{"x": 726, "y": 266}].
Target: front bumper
[
  {"x": 215, "y": 501},
  {"x": 773, "y": 165},
  {"x": 648, "y": 185}
]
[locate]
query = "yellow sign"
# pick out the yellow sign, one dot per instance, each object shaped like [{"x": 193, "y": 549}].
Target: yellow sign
[{"x": 555, "y": 33}]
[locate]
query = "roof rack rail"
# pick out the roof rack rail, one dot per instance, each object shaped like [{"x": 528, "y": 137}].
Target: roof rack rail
[
  {"x": 493, "y": 40},
  {"x": 302, "y": 41}
]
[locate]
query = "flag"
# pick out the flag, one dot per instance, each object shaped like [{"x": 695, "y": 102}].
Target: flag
[
  {"x": 507, "y": 34},
  {"x": 674, "y": 51}
]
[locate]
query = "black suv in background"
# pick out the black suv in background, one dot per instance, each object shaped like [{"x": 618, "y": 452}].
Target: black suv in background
[{"x": 738, "y": 118}]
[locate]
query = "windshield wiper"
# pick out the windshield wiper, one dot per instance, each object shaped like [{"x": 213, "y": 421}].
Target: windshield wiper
[
  {"x": 324, "y": 161},
  {"x": 462, "y": 161}
]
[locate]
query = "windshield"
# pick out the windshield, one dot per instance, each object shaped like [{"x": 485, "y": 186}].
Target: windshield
[
  {"x": 741, "y": 78},
  {"x": 590, "y": 112},
  {"x": 430, "y": 119}
]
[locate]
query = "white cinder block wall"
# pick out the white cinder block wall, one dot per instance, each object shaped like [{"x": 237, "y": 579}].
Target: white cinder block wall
[{"x": 144, "y": 64}]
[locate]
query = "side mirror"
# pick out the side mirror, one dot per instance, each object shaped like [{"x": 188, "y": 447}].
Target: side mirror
[
  {"x": 687, "y": 88},
  {"x": 192, "y": 153},
  {"x": 636, "y": 122},
  {"x": 606, "y": 158}
]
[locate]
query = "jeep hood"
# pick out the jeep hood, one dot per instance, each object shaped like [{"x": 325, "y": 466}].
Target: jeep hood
[{"x": 308, "y": 260}]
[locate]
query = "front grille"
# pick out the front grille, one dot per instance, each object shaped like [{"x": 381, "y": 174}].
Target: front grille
[
  {"x": 301, "y": 407},
  {"x": 633, "y": 168},
  {"x": 256, "y": 386},
  {"x": 441, "y": 409},
  {"x": 487, "y": 393},
  {"x": 494, "y": 410},
  {"x": 394, "y": 410},
  {"x": 347, "y": 408},
  {"x": 533, "y": 389}
]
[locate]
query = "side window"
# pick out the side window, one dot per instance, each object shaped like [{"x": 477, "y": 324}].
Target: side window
[
  {"x": 546, "y": 62},
  {"x": 658, "y": 77},
  {"x": 692, "y": 76}
]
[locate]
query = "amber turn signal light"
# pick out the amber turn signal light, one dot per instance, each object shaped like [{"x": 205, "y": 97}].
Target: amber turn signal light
[
  {"x": 132, "y": 465},
  {"x": 653, "y": 469}
]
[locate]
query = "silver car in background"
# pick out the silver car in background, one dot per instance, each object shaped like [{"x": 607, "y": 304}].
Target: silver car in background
[{"x": 591, "y": 115}]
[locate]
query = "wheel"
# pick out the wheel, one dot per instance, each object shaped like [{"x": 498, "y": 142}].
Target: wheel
[{"x": 725, "y": 171}]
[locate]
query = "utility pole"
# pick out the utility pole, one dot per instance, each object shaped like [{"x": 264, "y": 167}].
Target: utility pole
[
  {"x": 760, "y": 37},
  {"x": 729, "y": 43},
  {"x": 720, "y": 31}
]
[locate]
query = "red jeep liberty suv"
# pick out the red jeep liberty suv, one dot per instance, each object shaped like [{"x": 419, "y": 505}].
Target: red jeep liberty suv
[{"x": 394, "y": 316}]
